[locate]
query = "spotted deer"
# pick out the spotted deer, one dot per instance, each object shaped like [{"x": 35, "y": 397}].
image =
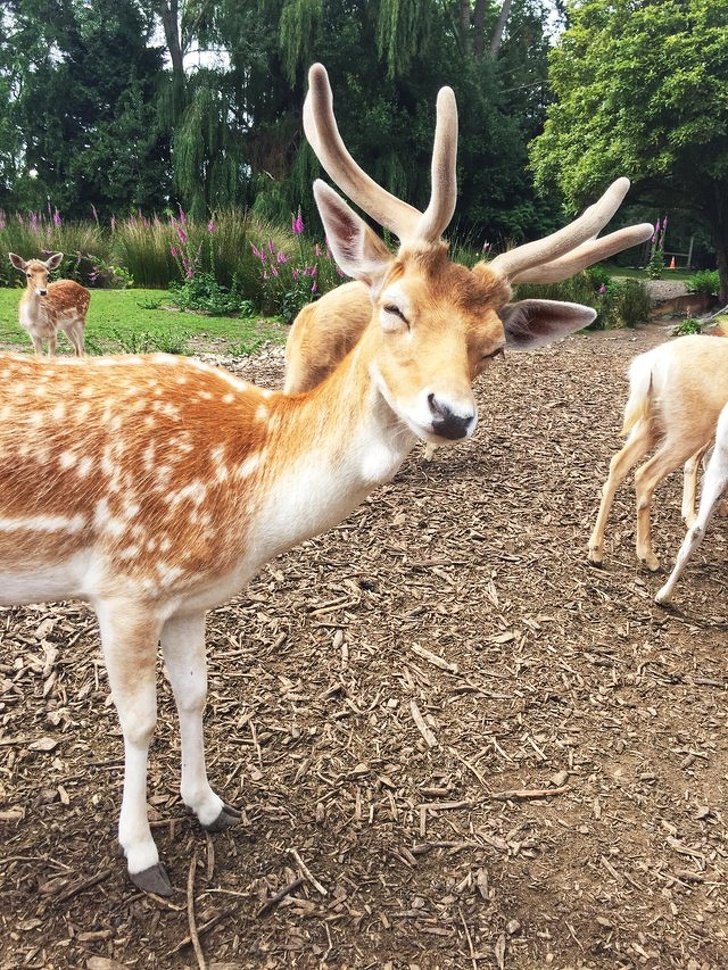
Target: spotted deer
[
  {"x": 677, "y": 391},
  {"x": 46, "y": 308},
  {"x": 154, "y": 487}
]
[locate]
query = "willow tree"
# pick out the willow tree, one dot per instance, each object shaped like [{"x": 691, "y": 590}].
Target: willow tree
[{"x": 641, "y": 89}]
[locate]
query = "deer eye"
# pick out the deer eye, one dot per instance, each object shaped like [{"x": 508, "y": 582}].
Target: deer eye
[
  {"x": 395, "y": 311},
  {"x": 498, "y": 352}
]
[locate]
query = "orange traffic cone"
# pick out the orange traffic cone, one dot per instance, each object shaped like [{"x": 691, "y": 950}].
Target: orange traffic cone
[{"x": 672, "y": 263}]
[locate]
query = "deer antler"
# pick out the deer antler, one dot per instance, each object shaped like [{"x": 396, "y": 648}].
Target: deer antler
[
  {"x": 406, "y": 222},
  {"x": 574, "y": 247}
]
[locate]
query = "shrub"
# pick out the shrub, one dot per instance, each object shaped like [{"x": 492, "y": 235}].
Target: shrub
[
  {"x": 632, "y": 303},
  {"x": 689, "y": 325},
  {"x": 705, "y": 281}
]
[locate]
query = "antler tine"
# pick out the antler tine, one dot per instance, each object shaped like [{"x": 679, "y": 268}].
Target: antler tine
[
  {"x": 323, "y": 135},
  {"x": 443, "y": 197},
  {"x": 516, "y": 261},
  {"x": 585, "y": 255}
]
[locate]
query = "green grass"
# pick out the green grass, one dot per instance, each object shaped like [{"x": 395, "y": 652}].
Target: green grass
[
  {"x": 641, "y": 274},
  {"x": 124, "y": 321}
]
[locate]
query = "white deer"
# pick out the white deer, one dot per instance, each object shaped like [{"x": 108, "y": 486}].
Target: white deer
[
  {"x": 714, "y": 485},
  {"x": 166, "y": 483},
  {"x": 46, "y": 308},
  {"x": 677, "y": 391}
]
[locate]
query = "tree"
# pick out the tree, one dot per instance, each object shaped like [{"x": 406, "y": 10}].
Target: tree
[
  {"x": 82, "y": 82},
  {"x": 641, "y": 89}
]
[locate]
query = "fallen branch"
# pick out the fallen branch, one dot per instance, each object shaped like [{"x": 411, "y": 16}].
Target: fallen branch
[
  {"x": 281, "y": 894},
  {"x": 524, "y": 793},
  {"x": 194, "y": 937},
  {"x": 307, "y": 873}
]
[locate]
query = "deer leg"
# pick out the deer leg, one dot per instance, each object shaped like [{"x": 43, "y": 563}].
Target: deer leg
[
  {"x": 37, "y": 345},
  {"x": 690, "y": 485},
  {"x": 52, "y": 344},
  {"x": 74, "y": 332},
  {"x": 646, "y": 480},
  {"x": 183, "y": 646},
  {"x": 715, "y": 483},
  {"x": 636, "y": 446},
  {"x": 129, "y": 641}
]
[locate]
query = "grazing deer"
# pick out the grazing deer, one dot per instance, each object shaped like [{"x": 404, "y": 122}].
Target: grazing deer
[
  {"x": 714, "y": 485},
  {"x": 166, "y": 484},
  {"x": 677, "y": 391},
  {"x": 46, "y": 308}
]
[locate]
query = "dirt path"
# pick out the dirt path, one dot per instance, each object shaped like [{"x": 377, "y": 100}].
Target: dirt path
[{"x": 381, "y": 699}]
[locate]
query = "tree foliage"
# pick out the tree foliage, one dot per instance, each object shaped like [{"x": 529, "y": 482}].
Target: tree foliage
[{"x": 641, "y": 89}]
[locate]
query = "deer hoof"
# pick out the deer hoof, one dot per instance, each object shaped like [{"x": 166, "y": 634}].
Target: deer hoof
[
  {"x": 228, "y": 817},
  {"x": 152, "y": 880}
]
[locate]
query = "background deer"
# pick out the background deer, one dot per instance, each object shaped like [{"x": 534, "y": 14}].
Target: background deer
[
  {"x": 714, "y": 485},
  {"x": 677, "y": 391},
  {"x": 169, "y": 483},
  {"x": 46, "y": 308}
]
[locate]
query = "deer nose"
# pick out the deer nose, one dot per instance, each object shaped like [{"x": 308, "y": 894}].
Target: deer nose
[
  {"x": 42, "y": 292},
  {"x": 448, "y": 423}
]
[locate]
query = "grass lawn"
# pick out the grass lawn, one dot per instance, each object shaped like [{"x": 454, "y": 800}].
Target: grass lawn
[{"x": 123, "y": 321}]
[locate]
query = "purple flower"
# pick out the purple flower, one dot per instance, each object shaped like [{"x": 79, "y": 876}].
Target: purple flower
[
  {"x": 274, "y": 271},
  {"x": 258, "y": 253},
  {"x": 211, "y": 227},
  {"x": 183, "y": 237},
  {"x": 281, "y": 257},
  {"x": 182, "y": 215},
  {"x": 271, "y": 247},
  {"x": 602, "y": 289},
  {"x": 297, "y": 224},
  {"x": 313, "y": 286},
  {"x": 173, "y": 251}
]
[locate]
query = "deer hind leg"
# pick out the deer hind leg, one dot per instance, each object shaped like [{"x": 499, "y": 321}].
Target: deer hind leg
[
  {"x": 715, "y": 483},
  {"x": 129, "y": 640},
  {"x": 665, "y": 460},
  {"x": 637, "y": 446},
  {"x": 183, "y": 647},
  {"x": 690, "y": 485},
  {"x": 74, "y": 332}
]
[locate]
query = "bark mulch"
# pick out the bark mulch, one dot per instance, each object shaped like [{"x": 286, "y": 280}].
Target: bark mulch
[{"x": 455, "y": 744}]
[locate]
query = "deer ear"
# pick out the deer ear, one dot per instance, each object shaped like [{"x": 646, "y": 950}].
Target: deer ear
[
  {"x": 54, "y": 261},
  {"x": 358, "y": 251},
  {"x": 531, "y": 323},
  {"x": 17, "y": 262}
]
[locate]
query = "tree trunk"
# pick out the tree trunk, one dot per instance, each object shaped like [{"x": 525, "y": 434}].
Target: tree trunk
[
  {"x": 169, "y": 13},
  {"x": 479, "y": 29},
  {"x": 500, "y": 26}
]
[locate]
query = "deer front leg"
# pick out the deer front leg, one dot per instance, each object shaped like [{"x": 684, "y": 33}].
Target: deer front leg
[
  {"x": 52, "y": 344},
  {"x": 37, "y": 345},
  {"x": 129, "y": 637},
  {"x": 183, "y": 647},
  {"x": 716, "y": 480}
]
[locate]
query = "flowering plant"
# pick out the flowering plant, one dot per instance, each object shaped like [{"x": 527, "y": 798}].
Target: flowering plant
[
  {"x": 290, "y": 281},
  {"x": 656, "y": 262}
]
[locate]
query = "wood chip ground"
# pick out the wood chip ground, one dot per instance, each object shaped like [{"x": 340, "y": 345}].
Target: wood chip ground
[{"x": 456, "y": 745}]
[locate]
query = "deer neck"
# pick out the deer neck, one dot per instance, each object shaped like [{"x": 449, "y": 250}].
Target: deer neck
[{"x": 332, "y": 446}]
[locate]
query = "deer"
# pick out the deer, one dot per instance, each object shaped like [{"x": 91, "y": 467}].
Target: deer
[
  {"x": 677, "y": 391},
  {"x": 46, "y": 308},
  {"x": 715, "y": 481},
  {"x": 169, "y": 483}
]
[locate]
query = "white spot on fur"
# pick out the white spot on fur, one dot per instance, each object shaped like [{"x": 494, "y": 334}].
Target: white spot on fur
[
  {"x": 44, "y": 523},
  {"x": 249, "y": 466},
  {"x": 67, "y": 460}
]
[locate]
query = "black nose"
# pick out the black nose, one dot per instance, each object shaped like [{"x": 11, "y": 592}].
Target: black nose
[
  {"x": 446, "y": 423},
  {"x": 42, "y": 292}
]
